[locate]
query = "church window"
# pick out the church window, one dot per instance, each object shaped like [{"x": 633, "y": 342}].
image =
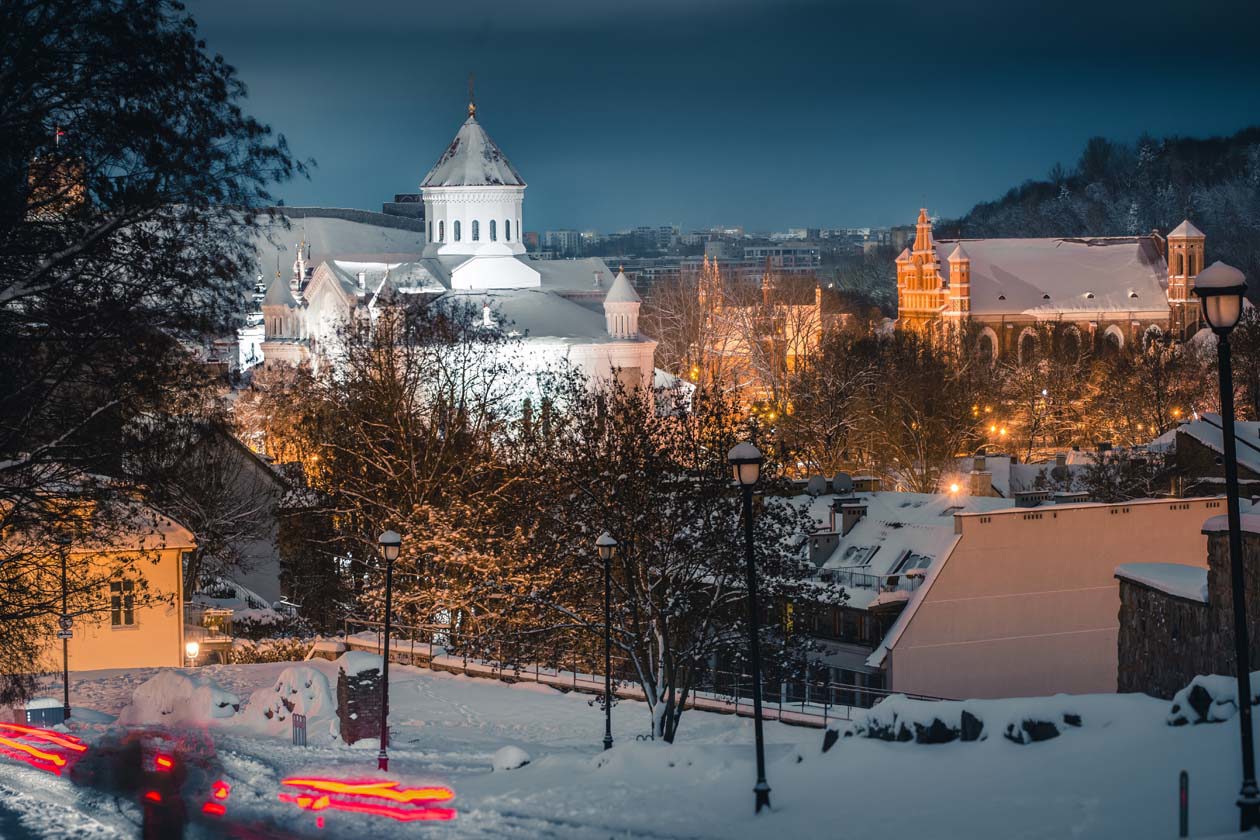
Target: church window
[
  {"x": 430, "y": 234},
  {"x": 494, "y": 237},
  {"x": 456, "y": 229},
  {"x": 441, "y": 231},
  {"x": 1178, "y": 266},
  {"x": 507, "y": 230},
  {"x": 476, "y": 231}
]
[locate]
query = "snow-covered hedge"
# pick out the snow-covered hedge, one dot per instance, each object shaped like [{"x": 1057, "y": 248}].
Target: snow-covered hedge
[
  {"x": 1022, "y": 720},
  {"x": 175, "y": 697},
  {"x": 269, "y": 650},
  {"x": 1210, "y": 699}
]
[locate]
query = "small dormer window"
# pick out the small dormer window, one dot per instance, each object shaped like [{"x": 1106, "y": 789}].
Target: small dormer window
[
  {"x": 1089, "y": 295},
  {"x": 1045, "y": 297},
  {"x": 1001, "y": 297},
  {"x": 1132, "y": 294}
]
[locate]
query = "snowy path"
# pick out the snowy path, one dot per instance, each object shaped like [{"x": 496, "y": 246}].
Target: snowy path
[{"x": 1114, "y": 777}]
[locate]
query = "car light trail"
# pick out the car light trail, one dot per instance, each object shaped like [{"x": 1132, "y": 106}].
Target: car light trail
[{"x": 364, "y": 797}]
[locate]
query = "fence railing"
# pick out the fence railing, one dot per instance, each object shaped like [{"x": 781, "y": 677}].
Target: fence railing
[{"x": 794, "y": 701}]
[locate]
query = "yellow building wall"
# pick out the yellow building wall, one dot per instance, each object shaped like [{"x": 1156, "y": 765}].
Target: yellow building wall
[
  {"x": 1027, "y": 603},
  {"x": 157, "y": 637}
]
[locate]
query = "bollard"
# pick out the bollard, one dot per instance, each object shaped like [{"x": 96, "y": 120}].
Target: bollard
[{"x": 1184, "y": 794}]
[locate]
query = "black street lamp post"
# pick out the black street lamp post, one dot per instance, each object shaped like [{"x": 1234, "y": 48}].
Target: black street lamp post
[
  {"x": 64, "y": 623},
  {"x": 606, "y": 545},
  {"x": 745, "y": 461},
  {"x": 390, "y": 543},
  {"x": 1221, "y": 288}
]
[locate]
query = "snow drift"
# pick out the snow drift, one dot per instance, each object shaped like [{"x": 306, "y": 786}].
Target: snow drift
[
  {"x": 174, "y": 697},
  {"x": 300, "y": 689}
]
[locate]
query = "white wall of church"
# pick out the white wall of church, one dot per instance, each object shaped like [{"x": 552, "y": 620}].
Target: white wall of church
[{"x": 473, "y": 221}]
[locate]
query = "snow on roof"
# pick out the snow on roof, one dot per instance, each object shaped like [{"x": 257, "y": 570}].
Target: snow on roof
[
  {"x": 359, "y": 661},
  {"x": 542, "y": 314},
  {"x": 570, "y": 275},
  {"x": 334, "y": 238},
  {"x": 1207, "y": 430},
  {"x": 421, "y": 275},
  {"x": 1048, "y": 276},
  {"x": 279, "y": 293},
  {"x": 1178, "y": 579},
  {"x": 472, "y": 160},
  {"x": 895, "y": 526},
  {"x": 959, "y": 253},
  {"x": 1187, "y": 229},
  {"x": 622, "y": 291}
]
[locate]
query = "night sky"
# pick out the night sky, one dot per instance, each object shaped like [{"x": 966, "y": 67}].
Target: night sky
[{"x": 754, "y": 113}]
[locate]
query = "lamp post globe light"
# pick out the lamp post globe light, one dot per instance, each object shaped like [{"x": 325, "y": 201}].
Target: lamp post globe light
[
  {"x": 192, "y": 650},
  {"x": 745, "y": 461},
  {"x": 606, "y": 545},
  {"x": 390, "y": 543},
  {"x": 1221, "y": 289}
]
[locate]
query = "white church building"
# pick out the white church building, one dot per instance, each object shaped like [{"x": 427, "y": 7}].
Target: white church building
[{"x": 572, "y": 311}]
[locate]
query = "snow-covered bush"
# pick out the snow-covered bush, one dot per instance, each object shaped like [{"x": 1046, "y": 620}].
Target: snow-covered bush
[
  {"x": 1210, "y": 699},
  {"x": 300, "y": 689},
  {"x": 269, "y": 650},
  {"x": 175, "y": 697},
  {"x": 1022, "y": 720},
  {"x": 510, "y": 758}
]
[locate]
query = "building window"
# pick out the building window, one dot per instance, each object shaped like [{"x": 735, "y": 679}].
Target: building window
[
  {"x": 430, "y": 234},
  {"x": 493, "y": 233},
  {"x": 456, "y": 230},
  {"x": 441, "y": 231},
  {"x": 476, "y": 231},
  {"x": 122, "y": 603},
  {"x": 507, "y": 230}
]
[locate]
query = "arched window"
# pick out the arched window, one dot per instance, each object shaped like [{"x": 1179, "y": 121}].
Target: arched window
[
  {"x": 476, "y": 231},
  {"x": 456, "y": 230},
  {"x": 1070, "y": 343},
  {"x": 441, "y": 231},
  {"x": 493, "y": 232},
  {"x": 1027, "y": 346},
  {"x": 507, "y": 230},
  {"x": 1113, "y": 340},
  {"x": 430, "y": 233}
]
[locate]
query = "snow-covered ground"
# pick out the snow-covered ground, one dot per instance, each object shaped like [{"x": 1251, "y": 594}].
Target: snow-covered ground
[{"x": 1113, "y": 776}]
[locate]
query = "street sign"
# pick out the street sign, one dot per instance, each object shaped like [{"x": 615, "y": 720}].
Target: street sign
[
  {"x": 65, "y": 634},
  {"x": 66, "y": 622}
]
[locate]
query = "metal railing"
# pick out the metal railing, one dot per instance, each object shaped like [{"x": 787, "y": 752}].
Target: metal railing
[{"x": 793, "y": 701}]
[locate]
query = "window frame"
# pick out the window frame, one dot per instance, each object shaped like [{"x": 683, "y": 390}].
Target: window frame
[{"x": 122, "y": 603}]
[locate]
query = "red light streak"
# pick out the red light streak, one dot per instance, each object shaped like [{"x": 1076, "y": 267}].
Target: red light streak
[
  {"x": 34, "y": 756},
  {"x": 220, "y": 789},
  {"x": 394, "y": 812},
  {"x": 214, "y": 809},
  {"x": 68, "y": 741},
  {"x": 164, "y": 763},
  {"x": 403, "y": 804},
  {"x": 385, "y": 789},
  {"x": 153, "y": 796}
]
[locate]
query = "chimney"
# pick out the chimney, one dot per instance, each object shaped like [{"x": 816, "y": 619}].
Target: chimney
[
  {"x": 362, "y": 278},
  {"x": 851, "y": 513},
  {"x": 980, "y": 483},
  {"x": 977, "y": 464},
  {"x": 821, "y": 546},
  {"x": 1060, "y": 459}
]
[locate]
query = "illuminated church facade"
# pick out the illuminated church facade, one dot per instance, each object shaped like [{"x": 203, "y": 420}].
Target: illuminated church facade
[
  {"x": 1083, "y": 292},
  {"x": 570, "y": 311}
]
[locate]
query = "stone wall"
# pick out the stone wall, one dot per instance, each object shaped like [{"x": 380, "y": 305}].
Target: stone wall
[
  {"x": 1163, "y": 640},
  {"x": 1166, "y": 641}
]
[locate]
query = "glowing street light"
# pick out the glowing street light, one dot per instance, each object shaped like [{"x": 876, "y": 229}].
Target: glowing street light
[
  {"x": 1220, "y": 289},
  {"x": 745, "y": 461},
  {"x": 192, "y": 650}
]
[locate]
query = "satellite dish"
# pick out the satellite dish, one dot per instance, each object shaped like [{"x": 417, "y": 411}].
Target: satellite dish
[
  {"x": 816, "y": 486},
  {"x": 842, "y": 483}
]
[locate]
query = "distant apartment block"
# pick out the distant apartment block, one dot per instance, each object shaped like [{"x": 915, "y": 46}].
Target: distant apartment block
[{"x": 565, "y": 243}]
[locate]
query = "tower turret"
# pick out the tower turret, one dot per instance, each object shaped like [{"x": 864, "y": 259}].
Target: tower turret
[
  {"x": 959, "y": 283},
  {"x": 621, "y": 308},
  {"x": 1185, "y": 261}
]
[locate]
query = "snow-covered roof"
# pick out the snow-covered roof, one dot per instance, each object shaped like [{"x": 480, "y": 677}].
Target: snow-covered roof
[
  {"x": 1207, "y": 430},
  {"x": 1186, "y": 229},
  {"x": 571, "y": 275},
  {"x": 411, "y": 277},
  {"x": 472, "y": 160},
  {"x": 1048, "y": 276},
  {"x": 279, "y": 293},
  {"x": 959, "y": 253},
  {"x": 1182, "y": 581},
  {"x": 1250, "y": 523},
  {"x": 900, "y": 533},
  {"x": 622, "y": 291},
  {"x": 335, "y": 238}
]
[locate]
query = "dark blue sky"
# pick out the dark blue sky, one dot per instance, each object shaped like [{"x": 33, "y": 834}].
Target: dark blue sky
[{"x": 702, "y": 112}]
